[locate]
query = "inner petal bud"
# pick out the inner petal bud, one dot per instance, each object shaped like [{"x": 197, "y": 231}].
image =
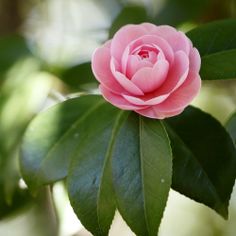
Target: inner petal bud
[
  {"x": 143, "y": 54},
  {"x": 146, "y": 52}
]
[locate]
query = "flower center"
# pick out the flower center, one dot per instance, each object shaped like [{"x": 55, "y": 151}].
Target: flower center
[
  {"x": 146, "y": 52},
  {"x": 143, "y": 54}
]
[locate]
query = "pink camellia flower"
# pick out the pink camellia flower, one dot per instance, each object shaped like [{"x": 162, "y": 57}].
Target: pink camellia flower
[{"x": 152, "y": 70}]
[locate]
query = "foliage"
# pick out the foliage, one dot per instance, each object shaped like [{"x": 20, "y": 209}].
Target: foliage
[{"x": 113, "y": 159}]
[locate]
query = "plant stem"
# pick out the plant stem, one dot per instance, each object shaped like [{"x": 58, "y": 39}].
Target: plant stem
[{"x": 47, "y": 212}]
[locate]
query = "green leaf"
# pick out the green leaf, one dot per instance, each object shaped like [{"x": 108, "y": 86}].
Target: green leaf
[
  {"x": 87, "y": 140},
  {"x": 80, "y": 77},
  {"x": 204, "y": 166},
  {"x": 231, "y": 127},
  {"x": 142, "y": 166},
  {"x": 52, "y": 138},
  {"x": 128, "y": 15},
  {"x": 218, "y": 66},
  {"x": 175, "y": 12},
  {"x": 12, "y": 48},
  {"x": 214, "y": 37},
  {"x": 69, "y": 132},
  {"x": 218, "y": 55},
  {"x": 89, "y": 178}
]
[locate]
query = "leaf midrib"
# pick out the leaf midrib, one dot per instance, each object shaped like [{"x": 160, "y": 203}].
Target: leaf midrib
[
  {"x": 108, "y": 156},
  {"x": 142, "y": 176}
]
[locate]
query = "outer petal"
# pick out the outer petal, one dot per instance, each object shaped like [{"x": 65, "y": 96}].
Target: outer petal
[
  {"x": 153, "y": 113},
  {"x": 194, "y": 60},
  {"x": 180, "y": 98},
  {"x": 149, "y": 102},
  {"x": 149, "y": 79},
  {"x": 150, "y": 28},
  {"x": 123, "y": 37},
  {"x": 118, "y": 100},
  {"x": 177, "y": 40},
  {"x": 101, "y": 69},
  {"x": 177, "y": 101},
  {"x": 177, "y": 74}
]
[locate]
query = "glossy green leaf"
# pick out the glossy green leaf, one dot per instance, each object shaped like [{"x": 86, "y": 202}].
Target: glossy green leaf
[
  {"x": 80, "y": 77},
  {"x": 129, "y": 15},
  {"x": 204, "y": 166},
  {"x": 214, "y": 37},
  {"x": 89, "y": 178},
  {"x": 52, "y": 138},
  {"x": 218, "y": 66},
  {"x": 87, "y": 140},
  {"x": 231, "y": 127},
  {"x": 142, "y": 166}
]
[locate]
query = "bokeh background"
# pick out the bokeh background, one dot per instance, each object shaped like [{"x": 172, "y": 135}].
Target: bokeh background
[{"x": 45, "y": 49}]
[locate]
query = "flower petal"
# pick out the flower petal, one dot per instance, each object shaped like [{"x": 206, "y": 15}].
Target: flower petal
[
  {"x": 123, "y": 37},
  {"x": 101, "y": 69},
  {"x": 177, "y": 74},
  {"x": 149, "y": 27},
  {"x": 181, "y": 97},
  {"x": 134, "y": 64},
  {"x": 127, "y": 84},
  {"x": 150, "y": 102},
  {"x": 162, "y": 45},
  {"x": 177, "y": 40},
  {"x": 194, "y": 60},
  {"x": 124, "y": 60},
  {"x": 153, "y": 113},
  {"x": 118, "y": 100},
  {"x": 149, "y": 79}
]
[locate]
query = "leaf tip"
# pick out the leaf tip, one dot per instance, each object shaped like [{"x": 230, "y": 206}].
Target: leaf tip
[{"x": 223, "y": 211}]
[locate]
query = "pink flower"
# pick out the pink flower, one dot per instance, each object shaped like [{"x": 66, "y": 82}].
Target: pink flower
[{"x": 152, "y": 70}]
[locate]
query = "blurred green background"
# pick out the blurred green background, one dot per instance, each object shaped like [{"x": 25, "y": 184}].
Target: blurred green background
[{"x": 45, "y": 49}]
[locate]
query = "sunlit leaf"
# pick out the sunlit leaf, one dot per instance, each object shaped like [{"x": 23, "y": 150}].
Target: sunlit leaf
[
  {"x": 88, "y": 139},
  {"x": 51, "y": 140}
]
